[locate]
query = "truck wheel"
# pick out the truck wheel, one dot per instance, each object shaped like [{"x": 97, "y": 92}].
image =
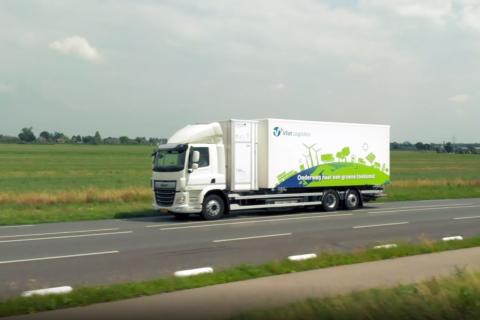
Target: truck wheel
[
  {"x": 213, "y": 207},
  {"x": 330, "y": 200},
  {"x": 352, "y": 200}
]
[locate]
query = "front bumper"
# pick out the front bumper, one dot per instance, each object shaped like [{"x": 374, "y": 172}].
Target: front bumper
[{"x": 181, "y": 204}]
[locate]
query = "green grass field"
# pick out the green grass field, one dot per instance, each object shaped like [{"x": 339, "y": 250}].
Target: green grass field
[
  {"x": 46, "y": 183},
  {"x": 455, "y": 297}
]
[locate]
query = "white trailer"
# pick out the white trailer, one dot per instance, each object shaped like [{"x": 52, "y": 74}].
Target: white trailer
[{"x": 213, "y": 169}]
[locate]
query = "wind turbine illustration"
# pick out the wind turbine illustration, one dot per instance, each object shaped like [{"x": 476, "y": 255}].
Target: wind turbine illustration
[{"x": 311, "y": 151}]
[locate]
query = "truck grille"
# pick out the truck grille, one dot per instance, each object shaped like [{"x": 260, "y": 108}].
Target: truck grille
[{"x": 164, "y": 197}]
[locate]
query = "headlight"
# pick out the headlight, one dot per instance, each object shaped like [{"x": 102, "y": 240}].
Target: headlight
[{"x": 181, "y": 198}]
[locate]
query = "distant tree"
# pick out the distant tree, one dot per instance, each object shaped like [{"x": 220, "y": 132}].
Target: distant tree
[
  {"x": 394, "y": 146},
  {"x": 448, "y": 147},
  {"x": 76, "y": 139},
  {"x": 141, "y": 140},
  {"x": 97, "y": 139},
  {"x": 124, "y": 140},
  {"x": 45, "y": 135},
  {"x": 27, "y": 135},
  {"x": 88, "y": 139},
  {"x": 420, "y": 146}
]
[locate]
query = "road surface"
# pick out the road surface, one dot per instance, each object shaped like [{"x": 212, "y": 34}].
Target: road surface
[
  {"x": 226, "y": 300},
  {"x": 110, "y": 251}
]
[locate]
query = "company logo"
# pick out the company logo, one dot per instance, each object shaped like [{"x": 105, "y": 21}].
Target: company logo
[{"x": 277, "y": 131}]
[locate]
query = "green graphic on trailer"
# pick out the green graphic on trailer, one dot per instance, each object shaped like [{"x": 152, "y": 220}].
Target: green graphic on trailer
[{"x": 322, "y": 170}]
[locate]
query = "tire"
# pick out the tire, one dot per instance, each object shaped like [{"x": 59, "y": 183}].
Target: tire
[
  {"x": 352, "y": 200},
  {"x": 180, "y": 216},
  {"x": 213, "y": 207},
  {"x": 330, "y": 200}
]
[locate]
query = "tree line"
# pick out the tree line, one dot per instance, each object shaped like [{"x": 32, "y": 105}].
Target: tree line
[
  {"x": 445, "y": 147},
  {"x": 27, "y": 135}
]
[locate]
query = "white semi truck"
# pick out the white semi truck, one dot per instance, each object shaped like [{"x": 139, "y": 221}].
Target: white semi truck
[{"x": 216, "y": 168}]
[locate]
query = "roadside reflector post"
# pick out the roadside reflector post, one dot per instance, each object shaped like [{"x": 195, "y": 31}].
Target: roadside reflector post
[
  {"x": 452, "y": 238},
  {"x": 47, "y": 291},
  {"x": 302, "y": 257},
  {"x": 193, "y": 272},
  {"x": 386, "y": 246}
]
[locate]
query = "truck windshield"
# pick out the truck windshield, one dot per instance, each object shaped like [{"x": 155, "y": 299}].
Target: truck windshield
[{"x": 168, "y": 160}]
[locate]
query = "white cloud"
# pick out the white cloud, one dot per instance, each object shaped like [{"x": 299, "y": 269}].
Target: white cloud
[
  {"x": 460, "y": 98},
  {"x": 470, "y": 15},
  {"x": 435, "y": 11},
  {"x": 78, "y": 46}
]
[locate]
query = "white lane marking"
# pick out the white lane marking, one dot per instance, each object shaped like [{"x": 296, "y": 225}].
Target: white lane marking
[
  {"x": 44, "y": 292},
  {"x": 465, "y": 218},
  {"x": 424, "y": 208},
  {"x": 17, "y": 226},
  {"x": 452, "y": 238},
  {"x": 193, "y": 272},
  {"x": 60, "y": 257},
  {"x": 301, "y": 257},
  {"x": 67, "y": 237},
  {"x": 295, "y": 215},
  {"x": 54, "y": 233},
  {"x": 380, "y": 225},
  {"x": 386, "y": 246},
  {"x": 254, "y": 237},
  {"x": 258, "y": 221}
]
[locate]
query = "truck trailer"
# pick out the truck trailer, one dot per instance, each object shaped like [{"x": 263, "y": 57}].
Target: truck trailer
[{"x": 216, "y": 168}]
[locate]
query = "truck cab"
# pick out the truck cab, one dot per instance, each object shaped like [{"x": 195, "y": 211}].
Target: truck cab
[{"x": 186, "y": 168}]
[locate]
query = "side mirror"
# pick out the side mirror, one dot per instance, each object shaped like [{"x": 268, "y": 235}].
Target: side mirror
[{"x": 195, "y": 157}]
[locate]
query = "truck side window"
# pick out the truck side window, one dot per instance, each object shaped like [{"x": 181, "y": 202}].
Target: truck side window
[{"x": 204, "y": 157}]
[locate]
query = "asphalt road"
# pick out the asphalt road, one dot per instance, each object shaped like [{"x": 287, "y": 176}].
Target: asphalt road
[{"x": 109, "y": 251}]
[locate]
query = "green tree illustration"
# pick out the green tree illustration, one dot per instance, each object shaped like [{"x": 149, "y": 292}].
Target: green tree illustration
[
  {"x": 346, "y": 152},
  {"x": 361, "y": 160},
  {"x": 339, "y": 156},
  {"x": 371, "y": 157},
  {"x": 327, "y": 157},
  {"x": 377, "y": 165}
]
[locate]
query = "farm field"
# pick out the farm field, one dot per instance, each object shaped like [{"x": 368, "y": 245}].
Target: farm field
[{"x": 46, "y": 183}]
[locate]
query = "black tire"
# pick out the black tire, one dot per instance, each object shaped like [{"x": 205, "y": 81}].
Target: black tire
[
  {"x": 330, "y": 200},
  {"x": 213, "y": 207},
  {"x": 180, "y": 216},
  {"x": 352, "y": 200}
]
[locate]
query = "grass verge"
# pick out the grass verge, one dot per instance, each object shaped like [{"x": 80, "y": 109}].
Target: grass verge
[
  {"x": 90, "y": 295},
  {"x": 14, "y": 214},
  {"x": 454, "y": 297}
]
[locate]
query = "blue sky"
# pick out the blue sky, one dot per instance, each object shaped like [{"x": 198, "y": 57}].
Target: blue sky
[{"x": 147, "y": 68}]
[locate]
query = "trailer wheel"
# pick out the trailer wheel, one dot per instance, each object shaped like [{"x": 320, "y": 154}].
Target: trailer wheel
[
  {"x": 352, "y": 200},
  {"x": 213, "y": 207},
  {"x": 330, "y": 200}
]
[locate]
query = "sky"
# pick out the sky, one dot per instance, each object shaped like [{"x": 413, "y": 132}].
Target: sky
[{"x": 148, "y": 68}]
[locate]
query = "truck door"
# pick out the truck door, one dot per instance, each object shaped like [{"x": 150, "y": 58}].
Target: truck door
[{"x": 203, "y": 175}]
